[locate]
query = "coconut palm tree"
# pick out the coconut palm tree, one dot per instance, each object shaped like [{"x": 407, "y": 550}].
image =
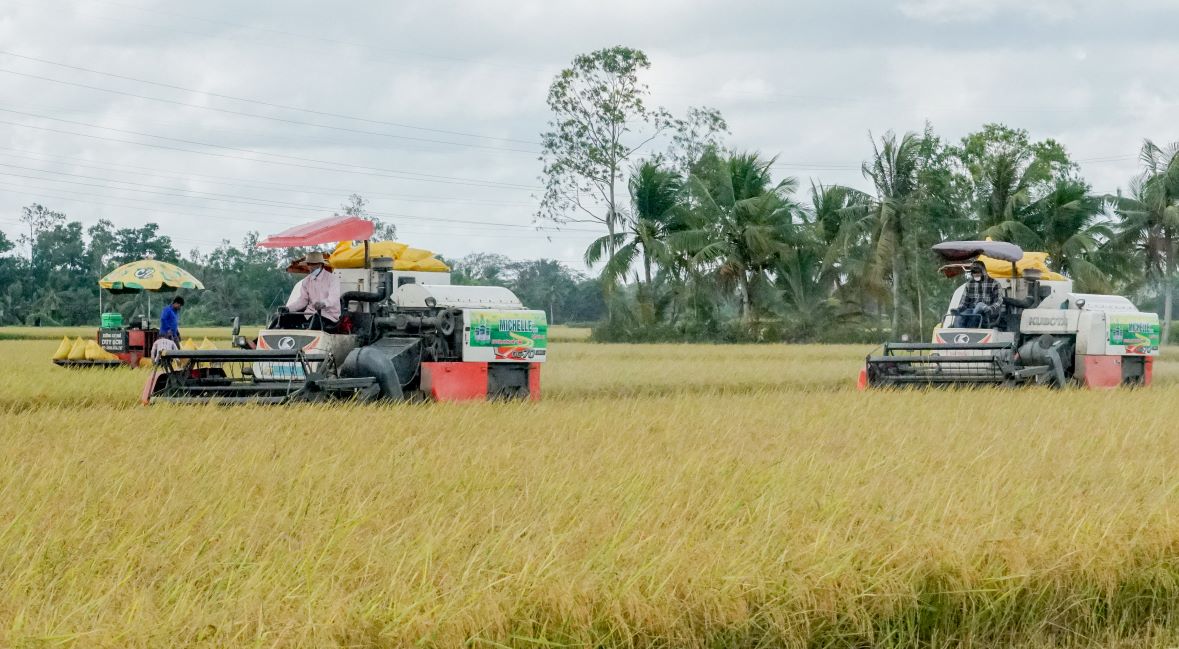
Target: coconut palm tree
[
  {"x": 1071, "y": 225},
  {"x": 740, "y": 222},
  {"x": 1009, "y": 174},
  {"x": 1149, "y": 220},
  {"x": 891, "y": 218},
  {"x": 654, "y": 196}
]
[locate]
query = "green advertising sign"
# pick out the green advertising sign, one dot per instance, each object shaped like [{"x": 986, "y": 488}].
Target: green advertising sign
[
  {"x": 523, "y": 330},
  {"x": 1139, "y": 335}
]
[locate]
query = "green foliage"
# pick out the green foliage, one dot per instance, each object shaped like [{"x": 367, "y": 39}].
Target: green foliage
[{"x": 730, "y": 255}]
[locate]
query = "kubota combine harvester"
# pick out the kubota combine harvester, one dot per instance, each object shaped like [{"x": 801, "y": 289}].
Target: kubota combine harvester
[
  {"x": 402, "y": 334},
  {"x": 1042, "y": 333}
]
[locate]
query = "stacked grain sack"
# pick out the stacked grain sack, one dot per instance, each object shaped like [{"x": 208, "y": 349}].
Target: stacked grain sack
[
  {"x": 351, "y": 255},
  {"x": 95, "y": 352},
  {"x": 82, "y": 350}
]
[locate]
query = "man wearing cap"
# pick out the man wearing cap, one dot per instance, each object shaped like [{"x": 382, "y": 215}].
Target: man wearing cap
[
  {"x": 318, "y": 295},
  {"x": 982, "y": 298}
]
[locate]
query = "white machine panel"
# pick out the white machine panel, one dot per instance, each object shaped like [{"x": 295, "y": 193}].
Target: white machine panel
[
  {"x": 455, "y": 296},
  {"x": 1049, "y": 321},
  {"x": 1109, "y": 303}
]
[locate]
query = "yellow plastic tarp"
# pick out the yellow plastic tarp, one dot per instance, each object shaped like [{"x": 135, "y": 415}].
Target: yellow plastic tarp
[
  {"x": 414, "y": 254},
  {"x": 63, "y": 350},
  {"x": 77, "y": 350},
  {"x": 428, "y": 265},
  {"x": 351, "y": 255},
  {"x": 1001, "y": 269},
  {"x": 431, "y": 265}
]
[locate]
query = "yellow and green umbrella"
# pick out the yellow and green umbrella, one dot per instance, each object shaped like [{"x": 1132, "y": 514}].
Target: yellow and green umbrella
[{"x": 148, "y": 275}]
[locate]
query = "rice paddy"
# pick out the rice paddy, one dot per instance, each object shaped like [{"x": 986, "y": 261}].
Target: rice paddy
[{"x": 659, "y": 496}]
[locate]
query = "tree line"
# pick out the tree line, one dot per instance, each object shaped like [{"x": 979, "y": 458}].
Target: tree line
[
  {"x": 703, "y": 242},
  {"x": 49, "y": 275}
]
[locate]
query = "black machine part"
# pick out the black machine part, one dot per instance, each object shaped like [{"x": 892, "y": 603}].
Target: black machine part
[
  {"x": 386, "y": 289},
  {"x": 507, "y": 381},
  {"x": 374, "y": 363},
  {"x": 1052, "y": 352}
]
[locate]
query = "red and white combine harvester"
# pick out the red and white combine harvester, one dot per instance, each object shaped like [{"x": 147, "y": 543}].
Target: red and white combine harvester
[
  {"x": 402, "y": 334},
  {"x": 1040, "y": 333}
]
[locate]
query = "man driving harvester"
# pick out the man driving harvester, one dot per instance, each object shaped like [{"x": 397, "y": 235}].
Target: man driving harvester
[
  {"x": 981, "y": 300},
  {"x": 317, "y": 296}
]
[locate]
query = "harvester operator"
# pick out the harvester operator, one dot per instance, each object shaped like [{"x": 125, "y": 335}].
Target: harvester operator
[
  {"x": 981, "y": 300},
  {"x": 318, "y": 295}
]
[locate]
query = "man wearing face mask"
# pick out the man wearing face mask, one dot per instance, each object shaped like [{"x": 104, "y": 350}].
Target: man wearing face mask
[
  {"x": 981, "y": 300},
  {"x": 318, "y": 295}
]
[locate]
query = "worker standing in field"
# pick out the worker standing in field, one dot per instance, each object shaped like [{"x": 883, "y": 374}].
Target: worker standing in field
[
  {"x": 170, "y": 320},
  {"x": 318, "y": 295},
  {"x": 981, "y": 300}
]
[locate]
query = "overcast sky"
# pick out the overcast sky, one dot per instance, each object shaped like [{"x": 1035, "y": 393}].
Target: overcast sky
[{"x": 434, "y": 108}]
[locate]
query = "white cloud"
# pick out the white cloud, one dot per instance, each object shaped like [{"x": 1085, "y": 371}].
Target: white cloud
[
  {"x": 804, "y": 81},
  {"x": 983, "y": 10}
]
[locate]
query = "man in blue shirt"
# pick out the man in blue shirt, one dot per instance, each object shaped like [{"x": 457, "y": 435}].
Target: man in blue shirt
[{"x": 170, "y": 320}]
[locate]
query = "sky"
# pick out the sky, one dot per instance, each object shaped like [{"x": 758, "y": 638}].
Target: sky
[{"x": 219, "y": 118}]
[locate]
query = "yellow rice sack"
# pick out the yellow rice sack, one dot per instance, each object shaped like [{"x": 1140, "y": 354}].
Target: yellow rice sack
[
  {"x": 63, "y": 350},
  {"x": 188, "y": 344},
  {"x": 95, "y": 352},
  {"x": 207, "y": 344},
  {"x": 77, "y": 350}
]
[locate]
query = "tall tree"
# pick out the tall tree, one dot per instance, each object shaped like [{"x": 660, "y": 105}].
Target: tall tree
[
  {"x": 1010, "y": 173},
  {"x": 600, "y": 119},
  {"x": 146, "y": 241},
  {"x": 654, "y": 196},
  {"x": 1150, "y": 220},
  {"x": 357, "y": 205},
  {"x": 893, "y": 216},
  {"x": 741, "y": 222},
  {"x": 37, "y": 218},
  {"x": 1071, "y": 226}
]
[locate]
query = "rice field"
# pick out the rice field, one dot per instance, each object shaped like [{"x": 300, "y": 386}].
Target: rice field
[{"x": 659, "y": 496}]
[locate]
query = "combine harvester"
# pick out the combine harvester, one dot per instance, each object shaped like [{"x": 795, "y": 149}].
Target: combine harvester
[
  {"x": 403, "y": 334},
  {"x": 1044, "y": 333}
]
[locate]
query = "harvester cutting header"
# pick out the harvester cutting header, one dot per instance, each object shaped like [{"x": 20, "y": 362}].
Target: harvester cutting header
[
  {"x": 394, "y": 328},
  {"x": 1015, "y": 322}
]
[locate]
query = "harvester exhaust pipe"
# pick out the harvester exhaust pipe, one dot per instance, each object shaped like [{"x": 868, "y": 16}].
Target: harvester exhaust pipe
[{"x": 382, "y": 265}]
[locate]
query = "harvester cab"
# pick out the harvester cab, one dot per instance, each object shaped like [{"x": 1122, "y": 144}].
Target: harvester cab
[
  {"x": 1042, "y": 332},
  {"x": 402, "y": 334}
]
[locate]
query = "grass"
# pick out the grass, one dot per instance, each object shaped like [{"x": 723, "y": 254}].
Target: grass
[{"x": 660, "y": 496}]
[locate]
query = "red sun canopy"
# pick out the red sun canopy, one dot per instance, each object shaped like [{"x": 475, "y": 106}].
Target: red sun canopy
[{"x": 330, "y": 230}]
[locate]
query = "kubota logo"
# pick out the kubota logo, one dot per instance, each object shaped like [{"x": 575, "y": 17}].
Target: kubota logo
[
  {"x": 286, "y": 342},
  {"x": 961, "y": 339}
]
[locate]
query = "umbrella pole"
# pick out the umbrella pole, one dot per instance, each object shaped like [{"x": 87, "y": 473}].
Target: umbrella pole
[{"x": 100, "y": 304}]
